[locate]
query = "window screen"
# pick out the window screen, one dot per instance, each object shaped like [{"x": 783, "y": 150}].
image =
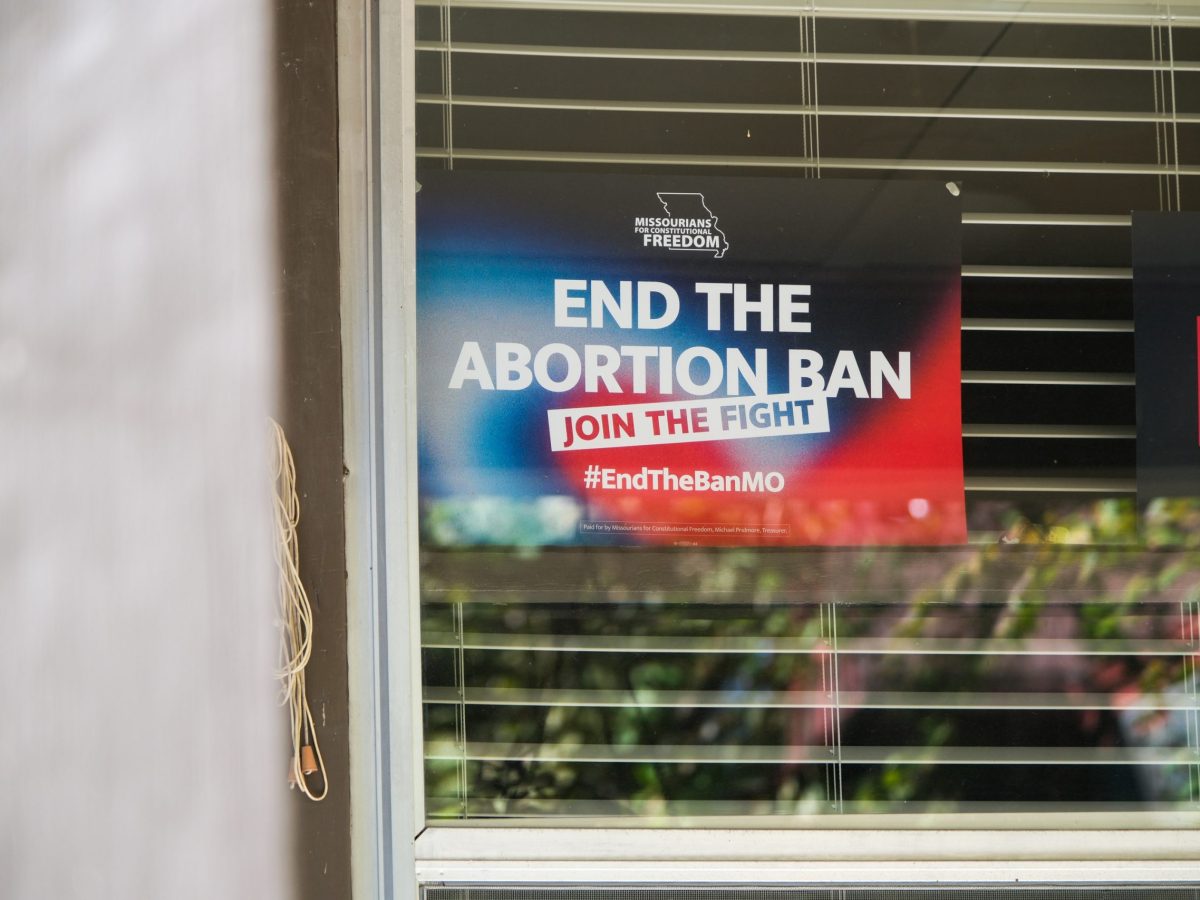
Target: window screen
[{"x": 1046, "y": 666}]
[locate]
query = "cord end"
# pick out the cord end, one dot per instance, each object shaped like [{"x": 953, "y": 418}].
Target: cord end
[{"x": 308, "y": 760}]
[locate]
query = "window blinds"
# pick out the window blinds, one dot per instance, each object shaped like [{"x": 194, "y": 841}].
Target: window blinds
[{"x": 1047, "y": 676}]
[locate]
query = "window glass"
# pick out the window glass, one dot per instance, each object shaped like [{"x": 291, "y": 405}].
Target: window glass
[{"x": 1044, "y": 664}]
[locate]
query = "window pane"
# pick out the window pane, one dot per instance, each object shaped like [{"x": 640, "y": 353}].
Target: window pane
[{"x": 1046, "y": 665}]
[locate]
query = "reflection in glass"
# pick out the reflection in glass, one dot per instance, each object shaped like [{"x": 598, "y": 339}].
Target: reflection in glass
[
  {"x": 1047, "y": 666},
  {"x": 993, "y": 678}
]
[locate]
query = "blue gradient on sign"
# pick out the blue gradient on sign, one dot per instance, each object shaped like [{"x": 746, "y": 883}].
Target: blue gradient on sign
[
  {"x": 489, "y": 279},
  {"x": 471, "y": 437}
]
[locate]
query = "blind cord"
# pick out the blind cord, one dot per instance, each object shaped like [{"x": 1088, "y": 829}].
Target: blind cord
[
  {"x": 448, "y": 85},
  {"x": 295, "y": 624}
]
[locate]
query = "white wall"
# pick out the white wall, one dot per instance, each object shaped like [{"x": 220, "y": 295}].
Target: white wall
[{"x": 141, "y": 754}]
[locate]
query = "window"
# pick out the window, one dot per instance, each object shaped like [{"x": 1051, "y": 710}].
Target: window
[{"x": 1040, "y": 675}]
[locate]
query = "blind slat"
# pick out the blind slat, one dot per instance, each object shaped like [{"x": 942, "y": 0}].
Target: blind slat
[
  {"x": 978, "y": 700},
  {"x": 1073, "y": 220},
  {"x": 985, "y": 814},
  {"x": 1099, "y": 273},
  {"x": 713, "y": 753},
  {"x": 632, "y": 643},
  {"x": 797, "y": 109},
  {"x": 796, "y": 162},
  {"x": 796, "y": 56},
  {"x": 1077, "y": 379},
  {"x": 1065, "y": 12},
  {"x": 1051, "y": 432},
  {"x": 1097, "y": 326}
]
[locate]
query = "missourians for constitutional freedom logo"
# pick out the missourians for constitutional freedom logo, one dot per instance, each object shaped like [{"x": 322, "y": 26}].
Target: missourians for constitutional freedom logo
[{"x": 689, "y": 225}]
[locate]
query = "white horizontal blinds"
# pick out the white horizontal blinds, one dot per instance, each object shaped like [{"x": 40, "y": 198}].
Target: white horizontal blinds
[
  {"x": 736, "y": 683},
  {"x": 1056, "y": 131},
  {"x": 733, "y": 683},
  {"x": 833, "y": 724}
]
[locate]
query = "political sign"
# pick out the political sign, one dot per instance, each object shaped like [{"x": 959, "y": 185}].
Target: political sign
[{"x": 668, "y": 359}]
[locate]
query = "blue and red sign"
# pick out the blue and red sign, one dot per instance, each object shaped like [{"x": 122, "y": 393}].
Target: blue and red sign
[{"x": 688, "y": 360}]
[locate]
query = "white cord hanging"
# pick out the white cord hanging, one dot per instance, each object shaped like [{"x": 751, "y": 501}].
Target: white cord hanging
[{"x": 295, "y": 624}]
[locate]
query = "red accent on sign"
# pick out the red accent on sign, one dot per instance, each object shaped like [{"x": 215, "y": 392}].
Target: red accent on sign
[{"x": 860, "y": 490}]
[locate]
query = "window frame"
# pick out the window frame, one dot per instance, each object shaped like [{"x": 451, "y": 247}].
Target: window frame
[{"x": 393, "y": 850}]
